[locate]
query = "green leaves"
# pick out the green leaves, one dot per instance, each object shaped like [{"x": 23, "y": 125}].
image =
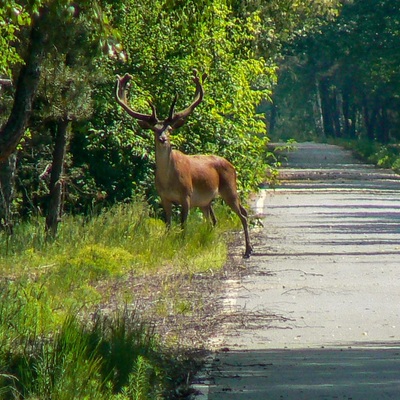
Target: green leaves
[
  {"x": 165, "y": 40},
  {"x": 13, "y": 17},
  {"x": 345, "y": 75},
  {"x": 159, "y": 42}
]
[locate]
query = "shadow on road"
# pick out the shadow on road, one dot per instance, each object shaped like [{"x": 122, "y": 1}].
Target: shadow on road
[{"x": 327, "y": 373}]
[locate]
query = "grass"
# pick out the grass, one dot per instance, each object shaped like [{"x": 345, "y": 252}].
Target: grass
[
  {"x": 113, "y": 357},
  {"x": 58, "y": 337}
]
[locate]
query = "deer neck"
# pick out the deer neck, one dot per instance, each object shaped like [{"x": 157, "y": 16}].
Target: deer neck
[{"x": 164, "y": 160}]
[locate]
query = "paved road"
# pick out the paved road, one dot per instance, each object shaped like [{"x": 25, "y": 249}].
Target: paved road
[{"x": 317, "y": 315}]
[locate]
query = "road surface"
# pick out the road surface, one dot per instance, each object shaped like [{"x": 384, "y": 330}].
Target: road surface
[{"x": 317, "y": 313}]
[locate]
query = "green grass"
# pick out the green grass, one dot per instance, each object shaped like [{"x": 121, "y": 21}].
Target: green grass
[
  {"x": 120, "y": 239},
  {"x": 51, "y": 346},
  {"x": 113, "y": 357}
]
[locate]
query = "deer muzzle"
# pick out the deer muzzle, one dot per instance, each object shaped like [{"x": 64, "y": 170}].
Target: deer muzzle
[{"x": 163, "y": 138}]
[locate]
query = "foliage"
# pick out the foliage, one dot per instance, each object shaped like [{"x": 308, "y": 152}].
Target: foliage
[
  {"x": 184, "y": 36},
  {"x": 343, "y": 80},
  {"x": 159, "y": 42},
  {"x": 13, "y": 17},
  {"x": 384, "y": 156}
]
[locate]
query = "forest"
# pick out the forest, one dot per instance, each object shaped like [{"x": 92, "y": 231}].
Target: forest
[
  {"x": 80, "y": 219},
  {"x": 342, "y": 83}
]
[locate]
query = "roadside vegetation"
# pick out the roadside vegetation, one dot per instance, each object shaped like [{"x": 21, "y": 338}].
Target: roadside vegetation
[
  {"x": 74, "y": 317},
  {"x": 379, "y": 154},
  {"x": 97, "y": 298}
]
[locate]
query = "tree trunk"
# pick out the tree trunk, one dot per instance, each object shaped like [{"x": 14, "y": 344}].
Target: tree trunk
[
  {"x": 349, "y": 111},
  {"x": 26, "y": 87},
  {"x": 336, "y": 107},
  {"x": 383, "y": 132},
  {"x": 319, "y": 120},
  {"x": 369, "y": 121},
  {"x": 7, "y": 177},
  {"x": 57, "y": 180},
  {"x": 327, "y": 119}
]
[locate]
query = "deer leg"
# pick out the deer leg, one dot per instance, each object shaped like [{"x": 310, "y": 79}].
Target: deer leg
[
  {"x": 243, "y": 218},
  {"x": 167, "y": 206},
  {"x": 234, "y": 203},
  {"x": 184, "y": 212},
  {"x": 208, "y": 213}
]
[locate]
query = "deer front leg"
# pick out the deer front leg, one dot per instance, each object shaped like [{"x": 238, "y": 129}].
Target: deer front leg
[{"x": 167, "y": 206}]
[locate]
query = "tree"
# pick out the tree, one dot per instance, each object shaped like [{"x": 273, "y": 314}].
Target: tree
[
  {"x": 12, "y": 131},
  {"x": 25, "y": 91},
  {"x": 353, "y": 64},
  {"x": 63, "y": 32}
]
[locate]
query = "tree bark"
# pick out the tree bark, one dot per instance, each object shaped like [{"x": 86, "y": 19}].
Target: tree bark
[
  {"x": 25, "y": 91},
  {"x": 57, "y": 179},
  {"x": 7, "y": 178},
  {"x": 327, "y": 119},
  {"x": 348, "y": 120},
  {"x": 383, "y": 131},
  {"x": 370, "y": 117},
  {"x": 336, "y": 107},
  {"x": 319, "y": 120}
]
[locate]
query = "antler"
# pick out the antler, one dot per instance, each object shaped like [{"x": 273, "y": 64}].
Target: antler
[
  {"x": 176, "y": 120},
  {"x": 144, "y": 120}
]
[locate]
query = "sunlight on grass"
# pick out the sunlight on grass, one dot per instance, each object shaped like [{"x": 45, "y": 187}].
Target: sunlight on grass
[
  {"x": 120, "y": 241},
  {"x": 46, "y": 284}
]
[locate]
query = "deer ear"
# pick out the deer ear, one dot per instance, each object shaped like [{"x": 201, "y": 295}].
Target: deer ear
[
  {"x": 145, "y": 125},
  {"x": 178, "y": 123}
]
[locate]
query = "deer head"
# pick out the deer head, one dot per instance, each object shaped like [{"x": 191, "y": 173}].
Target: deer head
[{"x": 161, "y": 128}]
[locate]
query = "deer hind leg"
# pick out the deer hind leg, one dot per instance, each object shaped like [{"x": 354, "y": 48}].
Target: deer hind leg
[
  {"x": 234, "y": 203},
  {"x": 185, "y": 206},
  {"x": 208, "y": 213}
]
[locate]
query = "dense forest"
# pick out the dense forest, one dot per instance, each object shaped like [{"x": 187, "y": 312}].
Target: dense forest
[{"x": 343, "y": 80}]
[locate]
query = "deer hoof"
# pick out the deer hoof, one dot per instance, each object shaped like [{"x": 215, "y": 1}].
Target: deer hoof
[{"x": 248, "y": 252}]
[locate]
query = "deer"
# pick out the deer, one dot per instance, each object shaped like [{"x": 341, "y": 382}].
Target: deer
[{"x": 185, "y": 180}]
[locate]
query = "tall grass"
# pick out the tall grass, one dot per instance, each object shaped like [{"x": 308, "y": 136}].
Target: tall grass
[
  {"x": 113, "y": 357},
  {"x": 50, "y": 347},
  {"x": 123, "y": 240},
  {"x": 125, "y": 237}
]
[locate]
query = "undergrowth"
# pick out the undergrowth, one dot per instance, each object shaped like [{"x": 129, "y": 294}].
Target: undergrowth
[
  {"x": 51, "y": 346},
  {"x": 384, "y": 156}
]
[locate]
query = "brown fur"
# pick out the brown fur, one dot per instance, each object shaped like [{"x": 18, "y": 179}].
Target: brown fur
[{"x": 195, "y": 181}]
